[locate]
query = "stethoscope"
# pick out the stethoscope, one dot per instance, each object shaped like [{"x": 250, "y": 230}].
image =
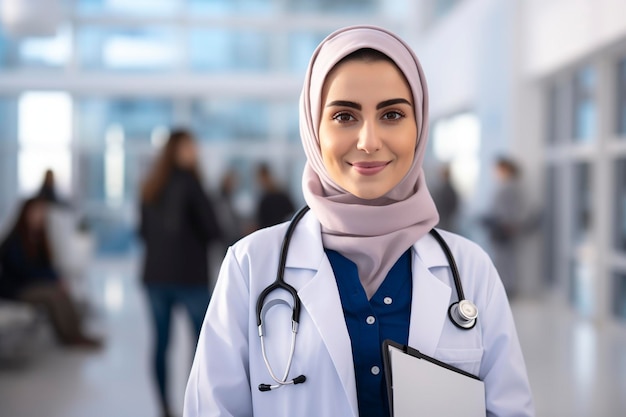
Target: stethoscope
[{"x": 462, "y": 313}]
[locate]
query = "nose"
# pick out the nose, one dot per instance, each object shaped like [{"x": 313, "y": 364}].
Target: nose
[{"x": 369, "y": 138}]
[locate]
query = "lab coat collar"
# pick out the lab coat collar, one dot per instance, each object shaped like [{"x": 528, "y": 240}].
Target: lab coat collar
[
  {"x": 430, "y": 296},
  {"x": 306, "y": 250},
  {"x": 320, "y": 298},
  {"x": 429, "y": 251}
]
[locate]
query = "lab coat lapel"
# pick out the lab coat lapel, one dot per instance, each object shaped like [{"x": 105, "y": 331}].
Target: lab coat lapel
[
  {"x": 429, "y": 305},
  {"x": 320, "y": 299}
]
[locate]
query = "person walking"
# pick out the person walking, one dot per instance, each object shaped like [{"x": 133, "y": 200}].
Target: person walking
[{"x": 177, "y": 223}]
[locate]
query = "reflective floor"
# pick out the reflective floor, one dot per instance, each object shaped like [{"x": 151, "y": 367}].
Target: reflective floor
[{"x": 577, "y": 368}]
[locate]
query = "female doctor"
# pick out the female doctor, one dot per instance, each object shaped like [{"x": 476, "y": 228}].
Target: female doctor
[{"x": 362, "y": 262}]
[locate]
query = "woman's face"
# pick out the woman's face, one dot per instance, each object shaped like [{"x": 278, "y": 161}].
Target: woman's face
[{"x": 368, "y": 131}]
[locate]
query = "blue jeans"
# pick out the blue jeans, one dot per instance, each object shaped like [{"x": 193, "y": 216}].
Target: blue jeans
[{"x": 163, "y": 298}]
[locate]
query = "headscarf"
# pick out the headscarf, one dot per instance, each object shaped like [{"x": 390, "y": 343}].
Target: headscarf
[{"x": 371, "y": 233}]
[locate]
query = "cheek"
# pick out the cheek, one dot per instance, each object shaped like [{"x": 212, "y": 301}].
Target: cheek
[{"x": 330, "y": 146}]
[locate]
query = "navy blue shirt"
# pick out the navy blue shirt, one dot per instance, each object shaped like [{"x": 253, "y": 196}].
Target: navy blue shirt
[{"x": 385, "y": 316}]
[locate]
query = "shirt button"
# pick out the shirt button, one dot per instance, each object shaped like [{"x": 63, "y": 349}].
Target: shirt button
[
  {"x": 370, "y": 320},
  {"x": 387, "y": 300},
  {"x": 375, "y": 370}
]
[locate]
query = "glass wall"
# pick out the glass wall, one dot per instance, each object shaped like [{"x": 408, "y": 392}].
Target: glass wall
[
  {"x": 36, "y": 52},
  {"x": 139, "y": 118},
  {"x": 585, "y": 184},
  {"x": 558, "y": 115},
  {"x": 582, "y": 204},
  {"x": 585, "y": 112},
  {"x": 621, "y": 98},
  {"x": 551, "y": 229},
  {"x": 228, "y": 120},
  {"x": 8, "y": 162},
  {"x": 128, "y": 49},
  {"x": 619, "y": 237},
  {"x": 619, "y": 295}
]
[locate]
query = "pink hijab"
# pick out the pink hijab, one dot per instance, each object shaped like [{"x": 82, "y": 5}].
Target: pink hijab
[{"x": 371, "y": 233}]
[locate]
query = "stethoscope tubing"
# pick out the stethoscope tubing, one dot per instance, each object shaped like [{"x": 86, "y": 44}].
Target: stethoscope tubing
[
  {"x": 279, "y": 282},
  {"x": 455, "y": 312}
]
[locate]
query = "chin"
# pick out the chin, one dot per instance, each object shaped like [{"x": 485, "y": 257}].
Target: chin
[{"x": 368, "y": 194}]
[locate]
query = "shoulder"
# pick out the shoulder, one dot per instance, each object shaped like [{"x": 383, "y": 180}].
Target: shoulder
[
  {"x": 261, "y": 240},
  {"x": 475, "y": 267},
  {"x": 306, "y": 241}
]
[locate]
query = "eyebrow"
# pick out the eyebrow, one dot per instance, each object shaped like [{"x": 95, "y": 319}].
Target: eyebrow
[
  {"x": 344, "y": 103},
  {"x": 381, "y": 105},
  {"x": 391, "y": 102}
]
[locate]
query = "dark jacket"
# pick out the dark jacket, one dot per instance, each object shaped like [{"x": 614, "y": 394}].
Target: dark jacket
[
  {"x": 274, "y": 207},
  {"x": 18, "y": 271},
  {"x": 176, "y": 229}
]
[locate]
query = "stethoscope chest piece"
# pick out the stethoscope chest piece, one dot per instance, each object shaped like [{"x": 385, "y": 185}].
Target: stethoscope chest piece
[{"x": 463, "y": 314}]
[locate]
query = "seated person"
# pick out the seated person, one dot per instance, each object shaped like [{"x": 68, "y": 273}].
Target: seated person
[{"x": 28, "y": 275}]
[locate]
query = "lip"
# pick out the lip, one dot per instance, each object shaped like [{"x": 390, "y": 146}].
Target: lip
[{"x": 369, "y": 168}]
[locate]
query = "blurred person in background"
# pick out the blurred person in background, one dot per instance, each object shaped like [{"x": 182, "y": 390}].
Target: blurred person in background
[
  {"x": 178, "y": 222},
  {"x": 505, "y": 221},
  {"x": 48, "y": 190},
  {"x": 71, "y": 243},
  {"x": 275, "y": 205},
  {"x": 447, "y": 201},
  {"x": 28, "y": 275},
  {"x": 232, "y": 226}
]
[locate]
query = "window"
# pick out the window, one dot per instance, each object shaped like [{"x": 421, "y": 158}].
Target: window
[
  {"x": 619, "y": 295},
  {"x": 300, "y": 49},
  {"x": 221, "y": 50},
  {"x": 559, "y": 99},
  {"x": 582, "y": 204},
  {"x": 132, "y": 49},
  {"x": 359, "y": 7},
  {"x": 621, "y": 99},
  {"x": 620, "y": 205},
  {"x": 226, "y": 120},
  {"x": 239, "y": 7},
  {"x": 462, "y": 155},
  {"x": 551, "y": 226},
  {"x": 585, "y": 112},
  {"x": 581, "y": 288},
  {"x": 138, "y": 118},
  {"x": 134, "y": 7},
  {"x": 36, "y": 51},
  {"x": 8, "y": 115},
  {"x": 45, "y": 133}
]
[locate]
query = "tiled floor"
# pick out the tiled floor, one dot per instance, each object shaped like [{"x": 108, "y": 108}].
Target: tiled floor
[{"x": 577, "y": 368}]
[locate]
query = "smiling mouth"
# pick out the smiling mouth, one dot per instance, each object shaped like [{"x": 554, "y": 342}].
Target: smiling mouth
[{"x": 369, "y": 168}]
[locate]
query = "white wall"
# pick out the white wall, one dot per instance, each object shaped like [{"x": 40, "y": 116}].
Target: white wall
[
  {"x": 467, "y": 59},
  {"x": 559, "y": 32}
]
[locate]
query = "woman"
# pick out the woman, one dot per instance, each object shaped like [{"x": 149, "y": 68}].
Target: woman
[
  {"x": 177, "y": 224},
  {"x": 28, "y": 275},
  {"x": 362, "y": 261}
]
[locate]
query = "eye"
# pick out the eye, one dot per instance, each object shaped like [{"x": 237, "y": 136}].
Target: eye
[
  {"x": 343, "y": 117},
  {"x": 393, "y": 115}
]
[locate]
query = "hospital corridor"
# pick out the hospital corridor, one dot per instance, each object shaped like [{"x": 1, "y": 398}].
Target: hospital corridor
[{"x": 140, "y": 140}]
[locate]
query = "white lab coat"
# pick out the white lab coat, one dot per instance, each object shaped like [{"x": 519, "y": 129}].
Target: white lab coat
[{"x": 228, "y": 365}]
